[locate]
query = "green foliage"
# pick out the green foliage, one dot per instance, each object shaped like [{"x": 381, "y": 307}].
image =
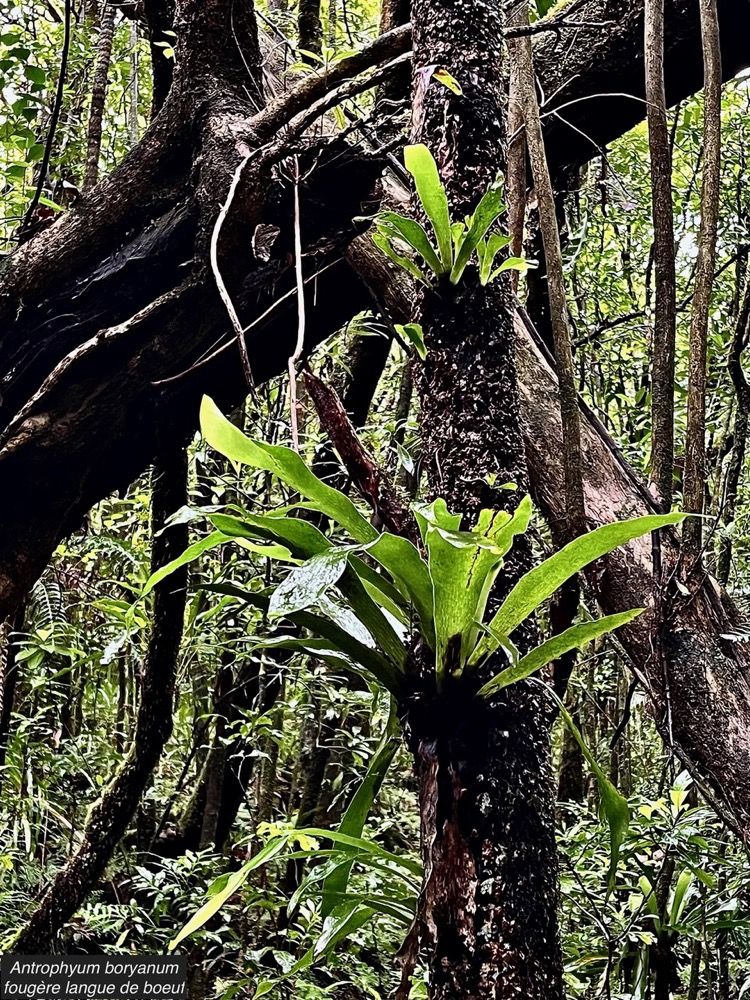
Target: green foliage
[
  {"x": 445, "y": 591},
  {"x": 455, "y": 242}
]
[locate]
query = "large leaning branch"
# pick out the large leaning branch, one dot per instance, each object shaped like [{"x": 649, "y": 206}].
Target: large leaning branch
[{"x": 704, "y": 669}]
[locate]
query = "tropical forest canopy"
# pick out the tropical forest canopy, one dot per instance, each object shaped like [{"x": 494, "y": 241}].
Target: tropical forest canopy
[{"x": 374, "y": 494}]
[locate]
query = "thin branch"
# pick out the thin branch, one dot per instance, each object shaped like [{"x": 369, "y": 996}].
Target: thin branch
[
  {"x": 695, "y": 443},
  {"x": 281, "y": 111},
  {"x": 225, "y": 296},
  {"x": 665, "y": 309},
  {"x": 300, "y": 286},
  {"x": 57, "y": 108},
  {"x": 368, "y": 477},
  {"x": 576, "y": 511},
  {"x": 99, "y": 95}
]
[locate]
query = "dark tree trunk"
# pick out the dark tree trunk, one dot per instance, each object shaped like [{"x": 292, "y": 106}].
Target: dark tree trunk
[
  {"x": 309, "y": 28},
  {"x": 109, "y": 394},
  {"x": 489, "y": 902}
]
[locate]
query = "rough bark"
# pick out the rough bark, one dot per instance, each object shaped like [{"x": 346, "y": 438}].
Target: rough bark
[
  {"x": 575, "y": 520},
  {"x": 99, "y": 95},
  {"x": 700, "y": 667},
  {"x": 107, "y": 395},
  {"x": 92, "y": 373},
  {"x": 100, "y": 418},
  {"x": 665, "y": 281},
  {"x": 111, "y": 814},
  {"x": 709, "y": 676},
  {"x": 309, "y": 27},
  {"x": 488, "y": 915},
  {"x": 695, "y": 437}
]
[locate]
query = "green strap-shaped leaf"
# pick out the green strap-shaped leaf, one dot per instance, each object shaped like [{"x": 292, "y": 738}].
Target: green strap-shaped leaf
[
  {"x": 572, "y": 638},
  {"x": 402, "y": 560},
  {"x": 421, "y": 165},
  {"x": 613, "y": 806},
  {"x": 287, "y": 465},
  {"x": 301, "y": 538},
  {"x": 305, "y": 585},
  {"x": 229, "y": 885},
  {"x": 382, "y": 670},
  {"x": 541, "y": 582},
  {"x": 684, "y": 882},
  {"x": 504, "y": 535},
  {"x": 365, "y": 846},
  {"x": 372, "y": 617},
  {"x": 412, "y": 233},
  {"x": 355, "y": 817},
  {"x": 413, "y": 333},
  {"x": 371, "y": 660},
  {"x": 384, "y": 243},
  {"x": 489, "y": 209},
  {"x": 190, "y": 554}
]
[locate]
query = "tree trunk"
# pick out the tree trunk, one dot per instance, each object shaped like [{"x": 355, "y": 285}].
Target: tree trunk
[
  {"x": 662, "y": 365},
  {"x": 695, "y": 435},
  {"x": 709, "y": 686},
  {"x": 99, "y": 94},
  {"x": 489, "y": 902}
]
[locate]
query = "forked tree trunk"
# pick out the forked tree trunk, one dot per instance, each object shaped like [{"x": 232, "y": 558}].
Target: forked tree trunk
[{"x": 488, "y": 917}]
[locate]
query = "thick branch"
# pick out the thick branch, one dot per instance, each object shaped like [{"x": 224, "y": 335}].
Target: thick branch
[{"x": 709, "y": 677}]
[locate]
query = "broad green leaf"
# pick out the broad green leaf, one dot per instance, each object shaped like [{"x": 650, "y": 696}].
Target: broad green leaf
[
  {"x": 487, "y": 250},
  {"x": 323, "y": 649},
  {"x": 355, "y": 817},
  {"x": 504, "y": 534},
  {"x": 303, "y": 586},
  {"x": 572, "y": 638},
  {"x": 370, "y": 659},
  {"x": 413, "y": 234},
  {"x": 300, "y": 537},
  {"x": 339, "y": 926},
  {"x": 613, "y": 806},
  {"x": 373, "y": 619},
  {"x": 649, "y": 895},
  {"x": 463, "y": 566},
  {"x": 190, "y": 554},
  {"x": 385, "y": 244},
  {"x": 541, "y": 582},
  {"x": 435, "y": 513},
  {"x": 367, "y": 847},
  {"x": 489, "y": 209},
  {"x": 421, "y": 165},
  {"x": 402, "y": 560},
  {"x": 287, "y": 465},
  {"x": 230, "y": 885},
  {"x": 412, "y": 332},
  {"x": 678, "y": 899}
]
